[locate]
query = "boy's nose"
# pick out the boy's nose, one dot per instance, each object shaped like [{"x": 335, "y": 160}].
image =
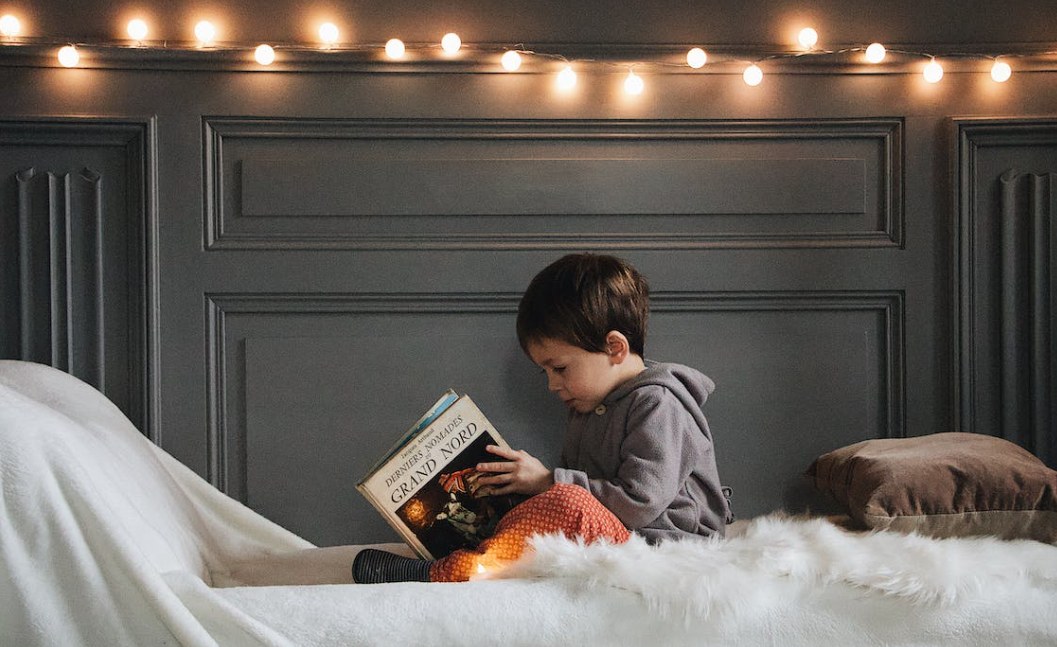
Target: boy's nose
[{"x": 552, "y": 382}]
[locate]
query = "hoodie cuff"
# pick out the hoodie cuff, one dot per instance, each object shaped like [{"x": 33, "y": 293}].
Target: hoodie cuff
[{"x": 575, "y": 477}]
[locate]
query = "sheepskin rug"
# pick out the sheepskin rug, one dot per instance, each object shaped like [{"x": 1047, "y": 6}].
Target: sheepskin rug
[{"x": 700, "y": 578}]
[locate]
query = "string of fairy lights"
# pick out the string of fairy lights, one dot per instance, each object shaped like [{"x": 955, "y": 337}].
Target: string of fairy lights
[{"x": 509, "y": 59}]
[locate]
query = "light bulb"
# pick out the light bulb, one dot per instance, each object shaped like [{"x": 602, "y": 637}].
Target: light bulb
[
  {"x": 807, "y": 37},
  {"x": 68, "y": 56},
  {"x": 137, "y": 29},
  {"x": 753, "y": 75},
  {"x": 451, "y": 43},
  {"x": 264, "y": 54},
  {"x": 328, "y": 33},
  {"x": 205, "y": 32},
  {"x": 566, "y": 78},
  {"x": 1001, "y": 71},
  {"x": 394, "y": 48},
  {"x": 511, "y": 61},
  {"x": 10, "y": 25},
  {"x": 633, "y": 84},
  {"x": 933, "y": 71},
  {"x": 696, "y": 58},
  {"x": 875, "y": 53}
]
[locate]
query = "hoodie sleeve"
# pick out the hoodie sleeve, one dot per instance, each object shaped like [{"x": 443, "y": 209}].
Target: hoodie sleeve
[{"x": 655, "y": 460}]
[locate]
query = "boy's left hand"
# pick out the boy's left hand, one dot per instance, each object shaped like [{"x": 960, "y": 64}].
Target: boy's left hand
[{"x": 519, "y": 473}]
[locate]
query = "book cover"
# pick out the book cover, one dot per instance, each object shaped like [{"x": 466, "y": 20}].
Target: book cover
[{"x": 426, "y": 485}]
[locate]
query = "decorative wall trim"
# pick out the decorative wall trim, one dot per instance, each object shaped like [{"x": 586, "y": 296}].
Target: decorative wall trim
[
  {"x": 971, "y": 138},
  {"x": 890, "y": 304},
  {"x": 1029, "y": 316},
  {"x": 63, "y": 215},
  {"x": 220, "y": 133},
  {"x": 77, "y": 199}
]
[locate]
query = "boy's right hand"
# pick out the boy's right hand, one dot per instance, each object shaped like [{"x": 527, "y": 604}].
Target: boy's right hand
[{"x": 519, "y": 473}]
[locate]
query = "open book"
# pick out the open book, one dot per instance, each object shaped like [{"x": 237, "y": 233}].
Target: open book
[{"x": 426, "y": 484}]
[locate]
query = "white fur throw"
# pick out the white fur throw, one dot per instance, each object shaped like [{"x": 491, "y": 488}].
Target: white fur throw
[
  {"x": 696, "y": 579},
  {"x": 785, "y": 581}
]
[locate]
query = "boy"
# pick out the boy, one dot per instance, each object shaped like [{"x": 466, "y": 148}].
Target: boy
[{"x": 638, "y": 452}]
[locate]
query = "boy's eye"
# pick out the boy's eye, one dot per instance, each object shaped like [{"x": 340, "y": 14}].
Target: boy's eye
[{"x": 559, "y": 369}]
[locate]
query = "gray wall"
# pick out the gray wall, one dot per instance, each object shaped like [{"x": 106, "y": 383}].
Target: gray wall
[{"x": 295, "y": 262}]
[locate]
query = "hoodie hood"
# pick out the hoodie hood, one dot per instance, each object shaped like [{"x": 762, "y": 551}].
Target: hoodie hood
[{"x": 690, "y": 385}]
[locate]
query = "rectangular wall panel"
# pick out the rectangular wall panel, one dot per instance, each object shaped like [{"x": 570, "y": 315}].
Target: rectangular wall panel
[
  {"x": 361, "y": 184},
  {"x": 315, "y": 388}
]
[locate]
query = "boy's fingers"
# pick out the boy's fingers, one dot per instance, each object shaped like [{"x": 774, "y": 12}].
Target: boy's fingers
[
  {"x": 509, "y": 454},
  {"x": 506, "y": 489},
  {"x": 505, "y": 466},
  {"x": 497, "y": 477}
]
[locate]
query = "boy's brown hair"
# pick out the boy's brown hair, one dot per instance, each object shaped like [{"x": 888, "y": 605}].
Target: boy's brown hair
[{"x": 579, "y": 298}]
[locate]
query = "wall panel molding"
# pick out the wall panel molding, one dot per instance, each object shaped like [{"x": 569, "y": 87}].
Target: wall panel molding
[
  {"x": 226, "y": 468},
  {"x": 60, "y": 238},
  {"x": 84, "y": 248},
  {"x": 281, "y": 184},
  {"x": 1002, "y": 278},
  {"x": 1029, "y": 318}
]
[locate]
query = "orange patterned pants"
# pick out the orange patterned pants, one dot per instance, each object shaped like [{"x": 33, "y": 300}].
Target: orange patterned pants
[{"x": 564, "y": 508}]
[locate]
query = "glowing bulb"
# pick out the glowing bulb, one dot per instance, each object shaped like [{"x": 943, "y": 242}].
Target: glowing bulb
[
  {"x": 933, "y": 71},
  {"x": 875, "y": 53},
  {"x": 394, "y": 48},
  {"x": 68, "y": 56},
  {"x": 696, "y": 58},
  {"x": 10, "y": 26},
  {"x": 481, "y": 569},
  {"x": 566, "y": 78},
  {"x": 137, "y": 29},
  {"x": 205, "y": 32},
  {"x": 451, "y": 43},
  {"x": 264, "y": 54},
  {"x": 328, "y": 33},
  {"x": 753, "y": 75},
  {"x": 1001, "y": 71},
  {"x": 633, "y": 84},
  {"x": 511, "y": 61},
  {"x": 807, "y": 37}
]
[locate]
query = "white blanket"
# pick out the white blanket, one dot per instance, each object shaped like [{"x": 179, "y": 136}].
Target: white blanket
[{"x": 107, "y": 540}]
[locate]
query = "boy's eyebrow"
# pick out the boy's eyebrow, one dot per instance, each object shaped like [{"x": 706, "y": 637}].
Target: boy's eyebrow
[
  {"x": 544, "y": 363},
  {"x": 550, "y": 362}
]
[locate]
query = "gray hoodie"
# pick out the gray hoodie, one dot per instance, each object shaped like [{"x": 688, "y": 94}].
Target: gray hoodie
[{"x": 646, "y": 453}]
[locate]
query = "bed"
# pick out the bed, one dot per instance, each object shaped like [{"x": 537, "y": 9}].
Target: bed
[{"x": 108, "y": 540}]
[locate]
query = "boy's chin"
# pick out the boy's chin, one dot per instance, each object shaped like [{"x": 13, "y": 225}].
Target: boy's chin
[{"x": 581, "y": 407}]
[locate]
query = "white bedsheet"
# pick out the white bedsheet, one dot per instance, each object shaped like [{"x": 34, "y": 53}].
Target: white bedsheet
[{"x": 107, "y": 540}]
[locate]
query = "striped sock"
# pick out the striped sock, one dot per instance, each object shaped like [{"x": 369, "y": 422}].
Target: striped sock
[{"x": 378, "y": 566}]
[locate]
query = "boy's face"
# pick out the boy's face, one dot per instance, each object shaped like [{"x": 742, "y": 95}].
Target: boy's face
[{"x": 581, "y": 378}]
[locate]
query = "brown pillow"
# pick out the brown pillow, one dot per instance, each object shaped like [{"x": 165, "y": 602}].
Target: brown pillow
[{"x": 943, "y": 485}]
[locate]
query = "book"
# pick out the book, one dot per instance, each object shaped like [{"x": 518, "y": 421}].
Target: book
[{"x": 426, "y": 487}]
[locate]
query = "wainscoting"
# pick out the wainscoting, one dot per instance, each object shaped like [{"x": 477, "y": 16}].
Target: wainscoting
[
  {"x": 1006, "y": 229},
  {"x": 273, "y": 290},
  {"x": 76, "y": 216}
]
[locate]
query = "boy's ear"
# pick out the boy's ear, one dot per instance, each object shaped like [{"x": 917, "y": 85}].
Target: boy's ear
[{"x": 617, "y": 346}]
